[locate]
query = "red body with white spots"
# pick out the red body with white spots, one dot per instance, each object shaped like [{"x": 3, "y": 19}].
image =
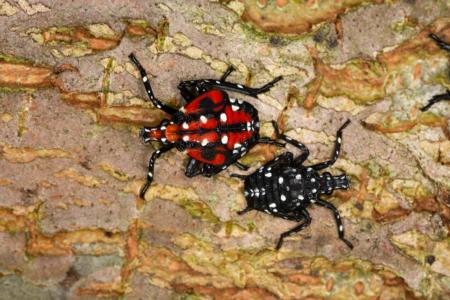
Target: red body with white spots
[{"x": 213, "y": 130}]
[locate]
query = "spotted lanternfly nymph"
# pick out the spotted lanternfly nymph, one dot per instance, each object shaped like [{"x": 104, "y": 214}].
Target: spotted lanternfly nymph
[
  {"x": 284, "y": 187},
  {"x": 213, "y": 129},
  {"x": 441, "y": 97}
]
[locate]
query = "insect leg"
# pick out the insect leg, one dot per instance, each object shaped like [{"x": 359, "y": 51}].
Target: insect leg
[
  {"x": 151, "y": 165},
  {"x": 307, "y": 221},
  {"x": 227, "y": 72},
  {"x": 235, "y": 87},
  {"x": 436, "y": 99},
  {"x": 305, "y": 151},
  {"x": 337, "y": 218},
  {"x": 193, "y": 168},
  {"x": 337, "y": 149},
  {"x": 148, "y": 87},
  {"x": 266, "y": 140},
  {"x": 242, "y": 177},
  {"x": 443, "y": 45},
  {"x": 241, "y": 166},
  {"x": 244, "y": 211}
]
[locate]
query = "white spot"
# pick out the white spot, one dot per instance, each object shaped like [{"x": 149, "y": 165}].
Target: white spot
[
  {"x": 203, "y": 119},
  {"x": 223, "y": 117},
  {"x": 338, "y": 217},
  {"x": 314, "y": 191},
  {"x": 158, "y": 151},
  {"x": 309, "y": 169},
  {"x": 150, "y": 174},
  {"x": 224, "y": 167},
  {"x": 144, "y": 79},
  {"x": 275, "y": 210},
  {"x": 341, "y": 228},
  {"x": 240, "y": 101},
  {"x": 182, "y": 109},
  {"x": 267, "y": 211},
  {"x": 268, "y": 175},
  {"x": 240, "y": 86},
  {"x": 328, "y": 178},
  {"x": 245, "y": 193},
  {"x": 300, "y": 197},
  {"x": 163, "y": 128},
  {"x": 147, "y": 140},
  {"x": 232, "y": 100},
  {"x": 337, "y": 152},
  {"x": 217, "y": 81},
  {"x": 313, "y": 201},
  {"x": 146, "y": 130},
  {"x": 158, "y": 105},
  {"x": 235, "y": 152},
  {"x": 249, "y": 126},
  {"x": 234, "y": 107},
  {"x": 313, "y": 180},
  {"x": 185, "y": 125},
  {"x": 272, "y": 205},
  {"x": 280, "y": 180},
  {"x": 283, "y": 198},
  {"x": 163, "y": 139},
  {"x": 257, "y": 124},
  {"x": 205, "y": 142},
  {"x": 298, "y": 176},
  {"x": 237, "y": 145},
  {"x": 339, "y": 140},
  {"x": 288, "y": 138},
  {"x": 224, "y": 139},
  {"x": 269, "y": 168},
  {"x": 185, "y": 138},
  {"x": 261, "y": 169}
]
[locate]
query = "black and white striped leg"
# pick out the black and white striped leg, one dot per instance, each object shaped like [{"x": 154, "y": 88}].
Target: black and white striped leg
[
  {"x": 305, "y": 151},
  {"x": 151, "y": 165},
  {"x": 306, "y": 222},
  {"x": 337, "y": 218},
  {"x": 206, "y": 84},
  {"x": 148, "y": 87},
  {"x": 337, "y": 150},
  {"x": 443, "y": 45},
  {"x": 435, "y": 99}
]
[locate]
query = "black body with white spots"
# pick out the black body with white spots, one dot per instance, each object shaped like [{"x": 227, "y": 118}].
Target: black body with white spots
[
  {"x": 214, "y": 130},
  {"x": 284, "y": 187}
]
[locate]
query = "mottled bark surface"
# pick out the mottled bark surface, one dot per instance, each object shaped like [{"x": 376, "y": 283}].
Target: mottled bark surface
[{"x": 71, "y": 165}]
